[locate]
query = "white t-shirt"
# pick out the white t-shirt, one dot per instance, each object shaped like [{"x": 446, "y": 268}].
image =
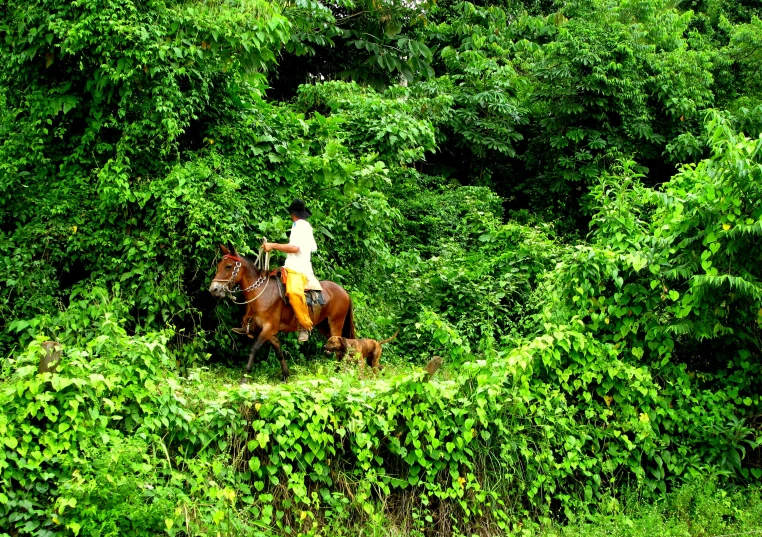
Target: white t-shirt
[{"x": 302, "y": 236}]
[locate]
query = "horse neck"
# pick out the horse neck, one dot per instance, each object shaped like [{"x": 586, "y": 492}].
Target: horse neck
[{"x": 249, "y": 274}]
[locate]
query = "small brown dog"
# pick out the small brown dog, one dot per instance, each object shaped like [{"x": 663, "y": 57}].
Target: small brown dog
[{"x": 368, "y": 349}]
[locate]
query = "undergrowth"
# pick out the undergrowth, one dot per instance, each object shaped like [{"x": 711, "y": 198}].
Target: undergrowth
[{"x": 118, "y": 442}]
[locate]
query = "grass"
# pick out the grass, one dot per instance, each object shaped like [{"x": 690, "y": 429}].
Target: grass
[
  {"x": 306, "y": 362},
  {"x": 697, "y": 509}
]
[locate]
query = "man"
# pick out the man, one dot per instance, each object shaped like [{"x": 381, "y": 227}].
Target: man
[{"x": 298, "y": 265}]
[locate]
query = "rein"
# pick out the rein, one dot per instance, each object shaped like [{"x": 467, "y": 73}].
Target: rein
[{"x": 252, "y": 299}]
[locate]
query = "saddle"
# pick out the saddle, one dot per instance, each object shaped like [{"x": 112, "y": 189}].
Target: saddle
[{"x": 313, "y": 297}]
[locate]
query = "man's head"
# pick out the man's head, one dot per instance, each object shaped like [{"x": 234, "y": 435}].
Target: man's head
[{"x": 299, "y": 210}]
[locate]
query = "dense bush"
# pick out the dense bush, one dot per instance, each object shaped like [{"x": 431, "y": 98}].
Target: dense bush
[
  {"x": 117, "y": 443},
  {"x": 561, "y": 200}
]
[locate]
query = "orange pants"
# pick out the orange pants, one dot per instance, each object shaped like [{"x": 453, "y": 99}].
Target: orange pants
[{"x": 295, "y": 282}]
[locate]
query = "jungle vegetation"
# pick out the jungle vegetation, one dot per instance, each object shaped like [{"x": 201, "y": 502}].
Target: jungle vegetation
[{"x": 563, "y": 199}]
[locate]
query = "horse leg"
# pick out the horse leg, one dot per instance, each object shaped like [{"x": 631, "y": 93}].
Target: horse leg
[
  {"x": 281, "y": 357},
  {"x": 264, "y": 337},
  {"x": 335, "y": 325},
  {"x": 324, "y": 328}
]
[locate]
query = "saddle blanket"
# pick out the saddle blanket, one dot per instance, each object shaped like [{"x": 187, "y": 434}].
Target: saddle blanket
[{"x": 314, "y": 298}]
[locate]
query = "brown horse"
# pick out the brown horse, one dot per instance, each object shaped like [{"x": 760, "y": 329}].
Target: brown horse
[{"x": 270, "y": 313}]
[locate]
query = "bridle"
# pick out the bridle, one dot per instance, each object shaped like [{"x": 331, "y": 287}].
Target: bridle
[{"x": 236, "y": 269}]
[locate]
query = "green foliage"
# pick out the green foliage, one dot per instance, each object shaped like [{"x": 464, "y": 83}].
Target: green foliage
[
  {"x": 452, "y": 177},
  {"x": 675, "y": 263},
  {"x": 390, "y": 124},
  {"x": 372, "y": 42},
  {"x": 113, "y": 93},
  {"x": 670, "y": 285},
  {"x": 742, "y": 55},
  {"x": 698, "y": 508},
  {"x": 555, "y": 99},
  {"x": 476, "y": 273},
  {"x": 486, "y": 88},
  {"x": 121, "y": 491},
  {"x": 102, "y": 390},
  {"x": 116, "y": 443},
  {"x": 624, "y": 81}
]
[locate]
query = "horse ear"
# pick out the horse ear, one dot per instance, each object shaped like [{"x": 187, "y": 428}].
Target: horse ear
[
  {"x": 232, "y": 248},
  {"x": 224, "y": 250}
]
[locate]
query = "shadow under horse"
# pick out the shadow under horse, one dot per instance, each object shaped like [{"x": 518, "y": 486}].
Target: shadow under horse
[{"x": 267, "y": 310}]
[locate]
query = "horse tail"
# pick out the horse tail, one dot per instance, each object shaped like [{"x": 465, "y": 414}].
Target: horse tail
[
  {"x": 389, "y": 339},
  {"x": 348, "y": 331}
]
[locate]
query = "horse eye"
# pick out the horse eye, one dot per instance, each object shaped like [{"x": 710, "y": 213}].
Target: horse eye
[{"x": 229, "y": 267}]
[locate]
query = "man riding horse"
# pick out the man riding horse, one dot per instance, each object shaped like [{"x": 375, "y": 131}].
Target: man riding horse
[
  {"x": 266, "y": 312},
  {"x": 298, "y": 266}
]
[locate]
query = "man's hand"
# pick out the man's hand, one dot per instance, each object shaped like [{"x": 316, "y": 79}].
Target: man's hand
[{"x": 285, "y": 248}]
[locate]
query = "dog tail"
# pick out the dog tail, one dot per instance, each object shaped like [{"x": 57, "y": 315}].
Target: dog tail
[{"x": 390, "y": 339}]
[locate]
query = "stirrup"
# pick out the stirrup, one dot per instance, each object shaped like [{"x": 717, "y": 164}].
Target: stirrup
[
  {"x": 241, "y": 331},
  {"x": 304, "y": 335}
]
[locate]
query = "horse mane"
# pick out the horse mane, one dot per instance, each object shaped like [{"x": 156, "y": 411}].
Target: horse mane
[
  {"x": 253, "y": 265},
  {"x": 250, "y": 262}
]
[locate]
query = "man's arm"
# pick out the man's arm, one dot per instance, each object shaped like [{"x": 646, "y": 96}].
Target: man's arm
[{"x": 285, "y": 248}]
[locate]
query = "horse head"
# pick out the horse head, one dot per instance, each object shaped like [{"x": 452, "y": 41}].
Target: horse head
[{"x": 229, "y": 273}]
